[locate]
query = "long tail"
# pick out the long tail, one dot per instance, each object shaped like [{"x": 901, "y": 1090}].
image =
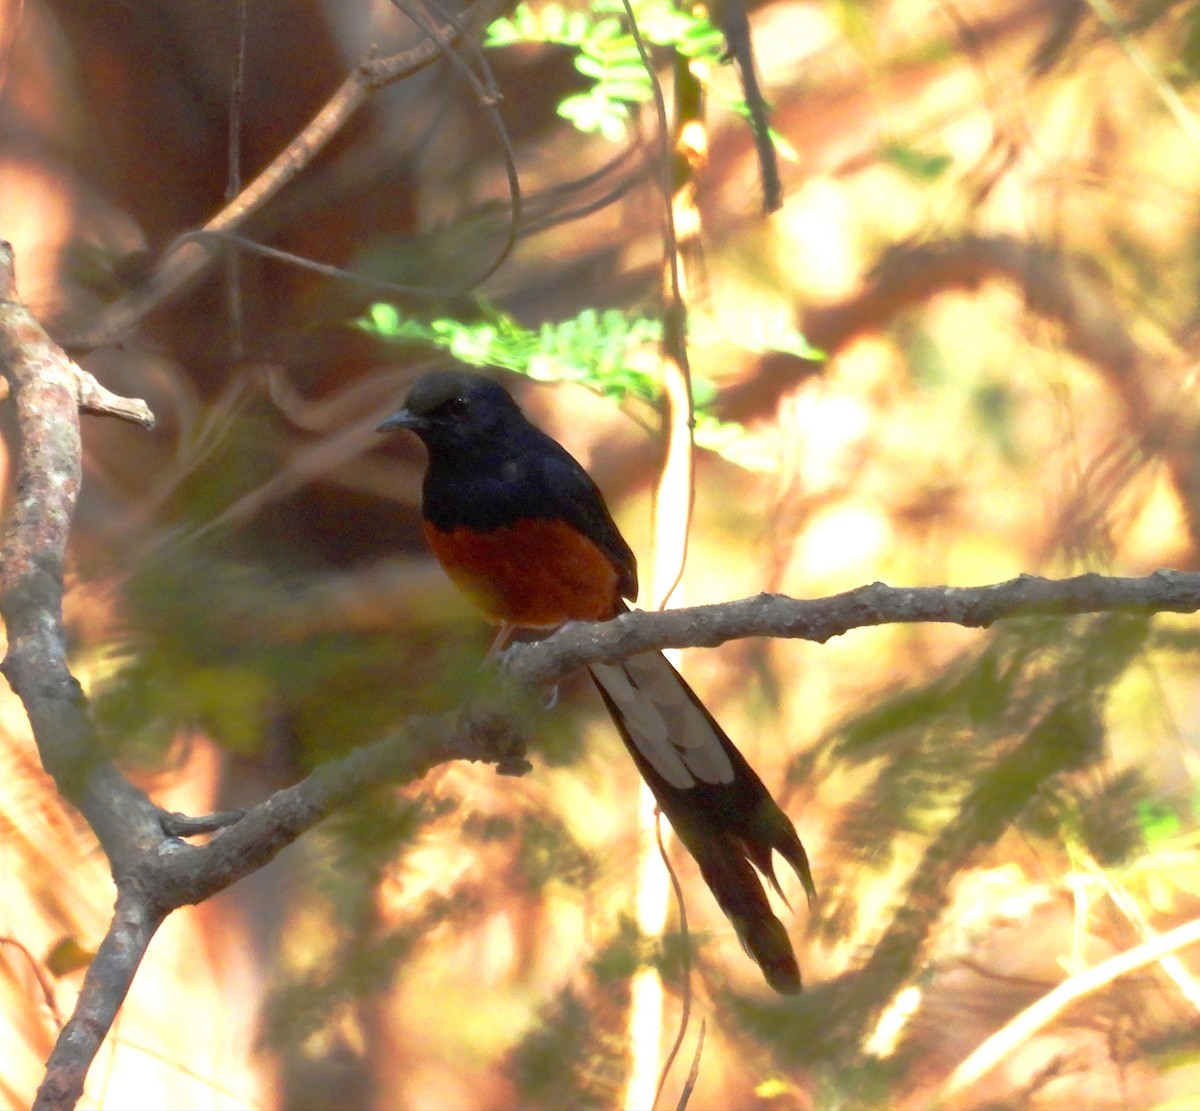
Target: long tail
[{"x": 716, "y": 803}]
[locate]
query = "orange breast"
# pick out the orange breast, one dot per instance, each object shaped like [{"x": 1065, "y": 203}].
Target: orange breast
[{"x": 535, "y": 573}]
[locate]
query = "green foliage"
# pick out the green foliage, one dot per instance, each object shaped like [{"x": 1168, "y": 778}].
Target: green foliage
[
  {"x": 593, "y": 347},
  {"x": 208, "y": 648},
  {"x": 927, "y": 748},
  {"x": 1189, "y": 52},
  {"x": 921, "y": 165},
  {"x": 544, "y": 850},
  {"x": 607, "y": 54},
  {"x": 310, "y": 1004},
  {"x": 568, "y": 1059},
  {"x": 1103, "y": 816},
  {"x": 1158, "y": 821},
  {"x": 597, "y": 349}
]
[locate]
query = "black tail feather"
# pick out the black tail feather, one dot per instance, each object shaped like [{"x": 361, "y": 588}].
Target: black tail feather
[{"x": 727, "y": 822}]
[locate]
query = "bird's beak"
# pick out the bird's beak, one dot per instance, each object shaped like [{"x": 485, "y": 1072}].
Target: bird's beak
[{"x": 402, "y": 419}]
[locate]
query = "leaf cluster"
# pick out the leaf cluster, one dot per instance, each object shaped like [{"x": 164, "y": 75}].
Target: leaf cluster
[
  {"x": 925, "y": 749},
  {"x": 604, "y": 350},
  {"x": 607, "y": 54}
]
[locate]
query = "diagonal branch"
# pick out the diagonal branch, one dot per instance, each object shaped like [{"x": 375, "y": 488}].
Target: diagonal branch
[
  {"x": 105, "y": 986},
  {"x": 156, "y": 871},
  {"x": 191, "y": 255}
]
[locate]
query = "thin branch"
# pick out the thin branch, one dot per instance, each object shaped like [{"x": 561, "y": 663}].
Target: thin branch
[
  {"x": 105, "y": 986},
  {"x": 491, "y": 728},
  {"x": 233, "y": 186},
  {"x": 184, "y": 261},
  {"x": 673, "y": 499},
  {"x": 94, "y": 398},
  {"x": 689, "y": 1085},
  {"x": 193, "y": 873},
  {"x": 44, "y": 387},
  {"x": 1037, "y": 1016},
  {"x": 685, "y": 1015},
  {"x": 820, "y": 619},
  {"x": 1174, "y": 969},
  {"x": 489, "y": 95},
  {"x": 735, "y": 24},
  {"x": 1163, "y": 89}
]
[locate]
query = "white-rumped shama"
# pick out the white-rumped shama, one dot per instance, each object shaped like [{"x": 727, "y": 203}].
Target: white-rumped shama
[{"x": 522, "y": 529}]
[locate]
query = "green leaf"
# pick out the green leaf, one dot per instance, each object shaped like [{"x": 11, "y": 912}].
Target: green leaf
[
  {"x": 613, "y": 124},
  {"x": 1158, "y": 821},
  {"x": 590, "y": 67},
  {"x": 554, "y": 22},
  {"x": 922, "y": 165},
  {"x": 701, "y": 40},
  {"x": 577, "y": 29},
  {"x": 502, "y": 32},
  {"x": 609, "y": 28},
  {"x": 616, "y": 72},
  {"x": 382, "y": 318}
]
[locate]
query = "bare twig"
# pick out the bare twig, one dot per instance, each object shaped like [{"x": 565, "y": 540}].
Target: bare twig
[
  {"x": 488, "y": 94},
  {"x": 44, "y": 388},
  {"x": 95, "y": 399},
  {"x": 735, "y": 24},
  {"x": 233, "y": 185},
  {"x": 185, "y": 260},
  {"x": 1172, "y": 966},
  {"x": 673, "y": 498},
  {"x": 693, "y": 1075},
  {"x": 686, "y": 1009},
  {"x": 1036, "y": 1017}
]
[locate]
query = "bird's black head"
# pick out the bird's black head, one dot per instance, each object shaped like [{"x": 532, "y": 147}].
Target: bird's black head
[{"x": 456, "y": 410}]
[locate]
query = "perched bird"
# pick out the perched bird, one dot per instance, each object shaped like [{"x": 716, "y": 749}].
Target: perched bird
[{"x": 523, "y": 531}]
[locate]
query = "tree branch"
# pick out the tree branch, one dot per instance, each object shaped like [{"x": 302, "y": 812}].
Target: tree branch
[
  {"x": 44, "y": 387},
  {"x": 47, "y": 390},
  {"x": 105, "y": 986},
  {"x": 190, "y": 256},
  {"x": 819, "y": 619}
]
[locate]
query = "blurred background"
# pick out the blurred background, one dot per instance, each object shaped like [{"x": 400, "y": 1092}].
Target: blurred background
[{"x": 989, "y": 229}]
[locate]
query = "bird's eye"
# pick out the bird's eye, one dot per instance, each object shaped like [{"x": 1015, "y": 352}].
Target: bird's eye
[{"x": 456, "y": 407}]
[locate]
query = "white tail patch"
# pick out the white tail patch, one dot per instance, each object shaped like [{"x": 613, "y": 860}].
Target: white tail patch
[{"x": 668, "y": 728}]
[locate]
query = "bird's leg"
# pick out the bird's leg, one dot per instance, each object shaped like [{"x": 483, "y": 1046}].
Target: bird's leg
[
  {"x": 500, "y": 648},
  {"x": 495, "y": 654},
  {"x": 498, "y": 652},
  {"x": 552, "y": 698}
]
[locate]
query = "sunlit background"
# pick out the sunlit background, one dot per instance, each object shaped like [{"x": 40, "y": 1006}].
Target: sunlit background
[{"x": 990, "y": 227}]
